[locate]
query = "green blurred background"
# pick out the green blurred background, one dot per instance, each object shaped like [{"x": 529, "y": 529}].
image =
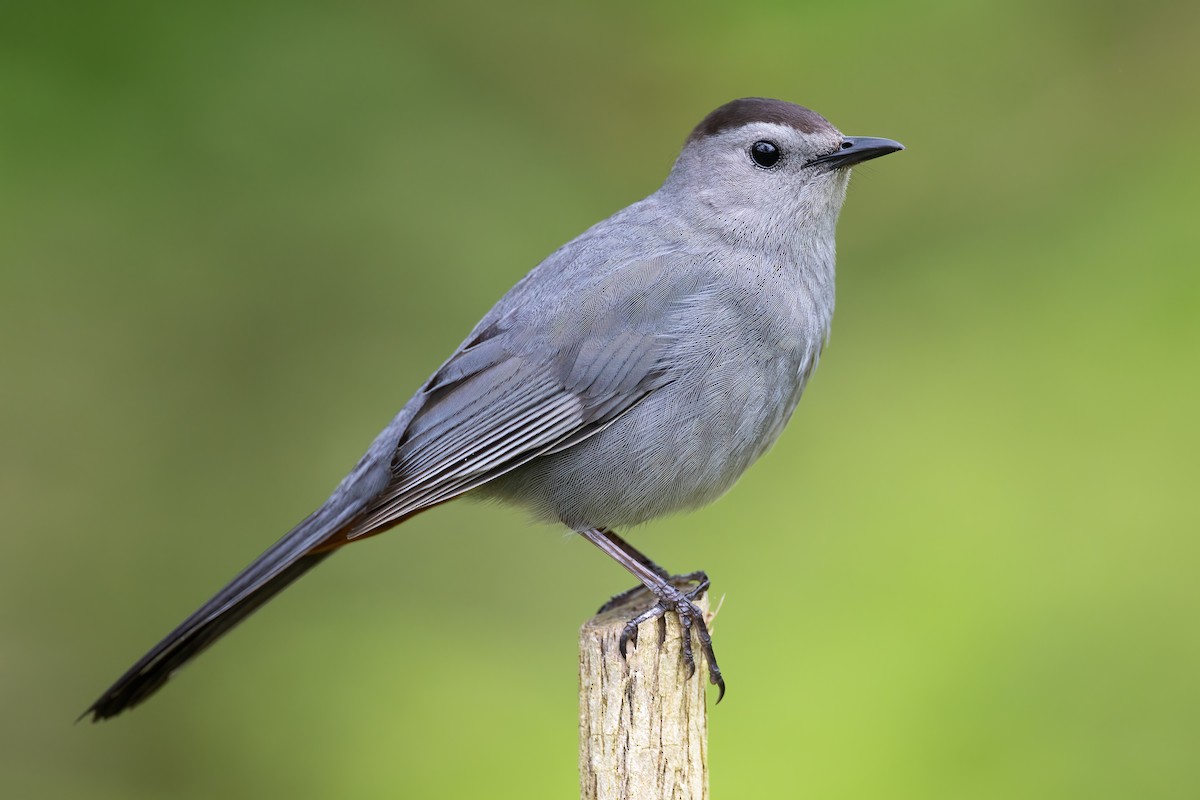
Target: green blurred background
[{"x": 235, "y": 237}]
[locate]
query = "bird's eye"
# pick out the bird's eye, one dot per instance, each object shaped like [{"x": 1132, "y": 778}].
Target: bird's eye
[{"x": 765, "y": 154}]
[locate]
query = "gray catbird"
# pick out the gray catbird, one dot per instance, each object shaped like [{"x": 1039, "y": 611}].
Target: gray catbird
[{"x": 636, "y": 371}]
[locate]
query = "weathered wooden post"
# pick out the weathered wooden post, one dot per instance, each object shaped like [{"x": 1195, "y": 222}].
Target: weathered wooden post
[{"x": 643, "y": 725}]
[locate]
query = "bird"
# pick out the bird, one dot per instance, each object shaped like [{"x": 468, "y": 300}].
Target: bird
[{"x": 635, "y": 372}]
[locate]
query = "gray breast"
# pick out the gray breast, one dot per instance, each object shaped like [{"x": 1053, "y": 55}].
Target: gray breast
[{"x": 737, "y": 367}]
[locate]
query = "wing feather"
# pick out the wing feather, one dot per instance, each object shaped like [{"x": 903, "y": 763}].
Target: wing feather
[
  {"x": 515, "y": 392},
  {"x": 485, "y": 424}
]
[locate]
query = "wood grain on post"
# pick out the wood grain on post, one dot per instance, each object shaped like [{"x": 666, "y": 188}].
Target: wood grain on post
[{"x": 643, "y": 724}]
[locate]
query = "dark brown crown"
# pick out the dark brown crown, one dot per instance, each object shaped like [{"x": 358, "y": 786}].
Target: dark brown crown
[{"x": 760, "y": 109}]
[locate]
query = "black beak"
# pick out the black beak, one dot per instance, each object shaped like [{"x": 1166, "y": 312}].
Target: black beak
[{"x": 855, "y": 149}]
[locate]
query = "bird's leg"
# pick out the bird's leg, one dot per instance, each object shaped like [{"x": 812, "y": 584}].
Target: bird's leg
[
  {"x": 671, "y": 598},
  {"x": 678, "y": 580},
  {"x": 642, "y": 558}
]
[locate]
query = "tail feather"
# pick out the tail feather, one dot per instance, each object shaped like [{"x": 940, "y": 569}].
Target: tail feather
[
  {"x": 283, "y": 562},
  {"x": 190, "y": 639},
  {"x": 305, "y": 546}
]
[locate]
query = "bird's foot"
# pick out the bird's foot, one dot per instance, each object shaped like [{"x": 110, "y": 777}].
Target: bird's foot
[{"x": 674, "y": 596}]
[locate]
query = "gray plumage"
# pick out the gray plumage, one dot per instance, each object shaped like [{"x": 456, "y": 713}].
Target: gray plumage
[{"x": 637, "y": 371}]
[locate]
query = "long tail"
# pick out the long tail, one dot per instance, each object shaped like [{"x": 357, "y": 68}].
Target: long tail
[{"x": 285, "y": 561}]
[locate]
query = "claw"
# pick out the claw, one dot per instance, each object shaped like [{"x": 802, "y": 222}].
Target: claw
[
  {"x": 689, "y": 659},
  {"x": 675, "y": 594},
  {"x": 628, "y": 635},
  {"x": 672, "y": 599}
]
